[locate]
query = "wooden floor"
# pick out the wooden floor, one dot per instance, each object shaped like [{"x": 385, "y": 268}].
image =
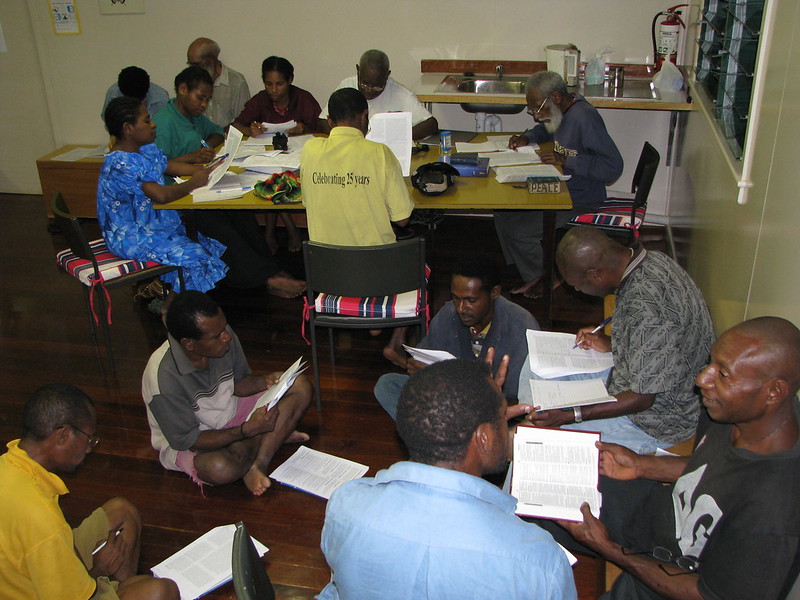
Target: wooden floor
[{"x": 44, "y": 337}]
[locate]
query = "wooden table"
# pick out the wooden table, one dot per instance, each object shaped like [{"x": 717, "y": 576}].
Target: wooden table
[
  {"x": 76, "y": 180},
  {"x": 469, "y": 194}
]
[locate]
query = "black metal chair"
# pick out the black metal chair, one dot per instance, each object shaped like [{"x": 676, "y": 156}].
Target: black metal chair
[
  {"x": 360, "y": 286},
  {"x": 621, "y": 218},
  {"x": 250, "y": 579},
  {"x": 99, "y": 270}
]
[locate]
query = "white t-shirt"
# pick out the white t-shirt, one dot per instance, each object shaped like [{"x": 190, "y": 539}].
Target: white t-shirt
[{"x": 394, "y": 97}]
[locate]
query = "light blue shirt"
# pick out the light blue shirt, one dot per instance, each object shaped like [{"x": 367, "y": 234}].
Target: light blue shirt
[
  {"x": 156, "y": 99},
  {"x": 416, "y": 531}
]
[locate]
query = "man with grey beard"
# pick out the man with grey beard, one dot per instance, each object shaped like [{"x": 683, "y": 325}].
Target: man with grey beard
[{"x": 581, "y": 147}]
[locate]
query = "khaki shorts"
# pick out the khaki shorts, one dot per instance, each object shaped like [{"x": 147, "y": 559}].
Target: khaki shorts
[{"x": 92, "y": 530}]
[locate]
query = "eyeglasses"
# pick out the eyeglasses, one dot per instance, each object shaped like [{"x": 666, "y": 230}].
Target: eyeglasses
[
  {"x": 538, "y": 110},
  {"x": 94, "y": 440},
  {"x": 688, "y": 563},
  {"x": 369, "y": 87}
]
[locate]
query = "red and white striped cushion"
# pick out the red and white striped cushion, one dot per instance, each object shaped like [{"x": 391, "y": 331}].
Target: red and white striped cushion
[
  {"x": 399, "y": 306},
  {"x": 614, "y": 212},
  {"x": 111, "y": 266}
]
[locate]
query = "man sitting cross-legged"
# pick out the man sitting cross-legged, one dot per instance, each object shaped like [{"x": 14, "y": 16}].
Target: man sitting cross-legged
[{"x": 199, "y": 390}]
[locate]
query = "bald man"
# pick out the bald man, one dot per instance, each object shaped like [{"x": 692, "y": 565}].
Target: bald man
[
  {"x": 230, "y": 87},
  {"x": 661, "y": 334},
  {"x": 728, "y": 527},
  {"x": 384, "y": 94}
]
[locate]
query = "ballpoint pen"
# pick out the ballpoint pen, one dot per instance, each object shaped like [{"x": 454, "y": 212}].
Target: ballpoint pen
[
  {"x": 205, "y": 145},
  {"x": 596, "y": 329}
]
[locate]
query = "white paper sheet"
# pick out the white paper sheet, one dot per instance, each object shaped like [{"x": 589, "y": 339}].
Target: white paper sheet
[
  {"x": 551, "y": 354},
  {"x": 394, "y": 130},
  {"x": 316, "y": 472}
]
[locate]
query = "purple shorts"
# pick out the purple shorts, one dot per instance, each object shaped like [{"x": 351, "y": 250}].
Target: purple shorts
[{"x": 185, "y": 460}]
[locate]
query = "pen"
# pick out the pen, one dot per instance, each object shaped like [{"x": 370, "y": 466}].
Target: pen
[
  {"x": 205, "y": 145},
  {"x": 596, "y": 329},
  {"x": 103, "y": 544}
]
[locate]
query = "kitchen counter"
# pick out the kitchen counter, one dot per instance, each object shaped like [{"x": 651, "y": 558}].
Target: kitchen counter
[{"x": 636, "y": 94}]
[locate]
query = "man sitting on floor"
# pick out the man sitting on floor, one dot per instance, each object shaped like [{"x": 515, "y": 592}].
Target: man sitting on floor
[
  {"x": 40, "y": 556},
  {"x": 431, "y": 527},
  {"x": 728, "y": 527},
  {"x": 199, "y": 391},
  {"x": 476, "y": 319}
]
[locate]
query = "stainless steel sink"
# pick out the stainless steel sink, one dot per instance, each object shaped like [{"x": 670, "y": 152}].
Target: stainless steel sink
[
  {"x": 491, "y": 86},
  {"x": 486, "y": 86}
]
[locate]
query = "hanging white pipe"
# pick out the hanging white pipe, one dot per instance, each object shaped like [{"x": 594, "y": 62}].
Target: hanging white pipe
[{"x": 754, "y": 114}]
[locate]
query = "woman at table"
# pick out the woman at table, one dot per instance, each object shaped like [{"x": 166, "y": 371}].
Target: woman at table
[
  {"x": 280, "y": 101},
  {"x": 131, "y": 180}
]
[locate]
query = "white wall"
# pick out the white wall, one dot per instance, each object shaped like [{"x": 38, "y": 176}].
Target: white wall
[{"x": 323, "y": 40}]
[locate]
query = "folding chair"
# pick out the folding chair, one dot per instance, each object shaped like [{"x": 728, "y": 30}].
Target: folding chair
[
  {"x": 99, "y": 270},
  {"x": 363, "y": 287},
  {"x": 621, "y": 218},
  {"x": 250, "y": 579}
]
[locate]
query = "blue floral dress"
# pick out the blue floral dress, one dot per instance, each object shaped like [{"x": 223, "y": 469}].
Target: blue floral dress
[{"x": 132, "y": 228}]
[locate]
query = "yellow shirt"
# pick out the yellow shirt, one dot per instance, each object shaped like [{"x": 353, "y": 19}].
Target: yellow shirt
[
  {"x": 353, "y": 189},
  {"x": 37, "y": 556}
]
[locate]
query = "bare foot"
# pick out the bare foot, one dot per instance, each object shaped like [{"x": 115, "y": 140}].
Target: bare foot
[
  {"x": 295, "y": 243},
  {"x": 297, "y": 437},
  {"x": 537, "y": 291},
  {"x": 256, "y": 481},
  {"x": 284, "y": 285},
  {"x": 395, "y": 357},
  {"x": 526, "y": 287},
  {"x": 375, "y": 332}
]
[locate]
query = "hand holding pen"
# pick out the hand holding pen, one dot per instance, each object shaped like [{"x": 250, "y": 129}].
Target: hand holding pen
[
  {"x": 593, "y": 338},
  {"x": 204, "y": 154}
]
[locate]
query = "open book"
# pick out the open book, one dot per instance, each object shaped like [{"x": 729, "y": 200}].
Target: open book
[
  {"x": 203, "y": 565},
  {"x": 272, "y": 395},
  {"x": 552, "y": 354},
  {"x": 427, "y": 356},
  {"x": 548, "y": 394},
  {"x": 394, "y": 130},
  {"x": 316, "y": 472},
  {"x": 554, "y": 472}
]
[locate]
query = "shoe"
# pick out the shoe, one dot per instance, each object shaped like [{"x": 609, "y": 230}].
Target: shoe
[{"x": 148, "y": 291}]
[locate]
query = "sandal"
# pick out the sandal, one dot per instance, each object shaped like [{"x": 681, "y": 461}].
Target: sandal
[{"x": 148, "y": 291}]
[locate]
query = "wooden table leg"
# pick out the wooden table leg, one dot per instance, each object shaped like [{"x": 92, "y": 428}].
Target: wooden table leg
[{"x": 548, "y": 264}]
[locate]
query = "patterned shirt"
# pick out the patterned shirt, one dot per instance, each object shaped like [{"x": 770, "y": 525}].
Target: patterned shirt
[{"x": 661, "y": 339}]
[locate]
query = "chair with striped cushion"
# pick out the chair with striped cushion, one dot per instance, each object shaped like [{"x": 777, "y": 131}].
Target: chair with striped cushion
[
  {"x": 98, "y": 270},
  {"x": 363, "y": 287},
  {"x": 621, "y": 218}
]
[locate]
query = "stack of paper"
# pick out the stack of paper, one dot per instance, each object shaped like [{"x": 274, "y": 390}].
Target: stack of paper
[
  {"x": 552, "y": 354},
  {"x": 203, "y": 565},
  {"x": 316, "y": 472},
  {"x": 273, "y": 161},
  {"x": 272, "y": 395},
  {"x": 554, "y": 472},
  {"x": 229, "y": 186},
  {"x": 520, "y": 174}
]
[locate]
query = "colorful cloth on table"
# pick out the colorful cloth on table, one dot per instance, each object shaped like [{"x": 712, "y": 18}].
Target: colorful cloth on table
[{"x": 132, "y": 228}]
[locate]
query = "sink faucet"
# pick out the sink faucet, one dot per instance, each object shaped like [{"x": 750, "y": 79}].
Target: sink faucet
[{"x": 499, "y": 70}]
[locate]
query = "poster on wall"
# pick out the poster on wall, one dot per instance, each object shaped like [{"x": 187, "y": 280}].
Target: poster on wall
[
  {"x": 3, "y": 47},
  {"x": 65, "y": 17},
  {"x": 121, "y": 7}
]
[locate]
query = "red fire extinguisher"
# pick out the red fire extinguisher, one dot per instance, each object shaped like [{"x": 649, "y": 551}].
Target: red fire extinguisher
[{"x": 666, "y": 35}]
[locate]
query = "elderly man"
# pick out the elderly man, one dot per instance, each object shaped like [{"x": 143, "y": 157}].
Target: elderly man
[
  {"x": 230, "y": 87},
  {"x": 384, "y": 94},
  {"x": 582, "y": 147},
  {"x": 40, "y": 556},
  {"x": 728, "y": 527},
  {"x": 431, "y": 527},
  {"x": 200, "y": 391},
  {"x": 661, "y": 334},
  {"x": 135, "y": 82},
  {"x": 476, "y": 319}
]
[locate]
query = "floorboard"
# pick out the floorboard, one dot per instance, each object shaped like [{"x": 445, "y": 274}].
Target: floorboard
[{"x": 44, "y": 337}]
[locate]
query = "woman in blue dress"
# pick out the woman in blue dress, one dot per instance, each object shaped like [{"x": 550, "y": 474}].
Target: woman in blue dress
[{"x": 131, "y": 179}]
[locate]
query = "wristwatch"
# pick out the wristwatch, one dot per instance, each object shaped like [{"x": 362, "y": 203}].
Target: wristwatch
[{"x": 578, "y": 414}]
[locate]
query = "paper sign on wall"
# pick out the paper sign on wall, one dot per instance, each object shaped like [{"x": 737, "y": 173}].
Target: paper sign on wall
[{"x": 64, "y": 14}]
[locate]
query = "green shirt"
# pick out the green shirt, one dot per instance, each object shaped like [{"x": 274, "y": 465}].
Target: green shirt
[{"x": 177, "y": 135}]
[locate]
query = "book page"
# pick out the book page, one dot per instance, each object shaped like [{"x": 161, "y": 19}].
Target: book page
[
  {"x": 552, "y": 354},
  {"x": 203, "y": 565},
  {"x": 272, "y": 395},
  {"x": 549, "y": 395},
  {"x": 316, "y": 472},
  {"x": 507, "y": 159},
  {"x": 394, "y": 130},
  {"x": 555, "y": 471},
  {"x": 427, "y": 356},
  {"x": 520, "y": 174}
]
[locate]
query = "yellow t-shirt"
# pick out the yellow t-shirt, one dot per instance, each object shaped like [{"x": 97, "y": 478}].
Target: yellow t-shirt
[
  {"x": 353, "y": 189},
  {"x": 37, "y": 557}
]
